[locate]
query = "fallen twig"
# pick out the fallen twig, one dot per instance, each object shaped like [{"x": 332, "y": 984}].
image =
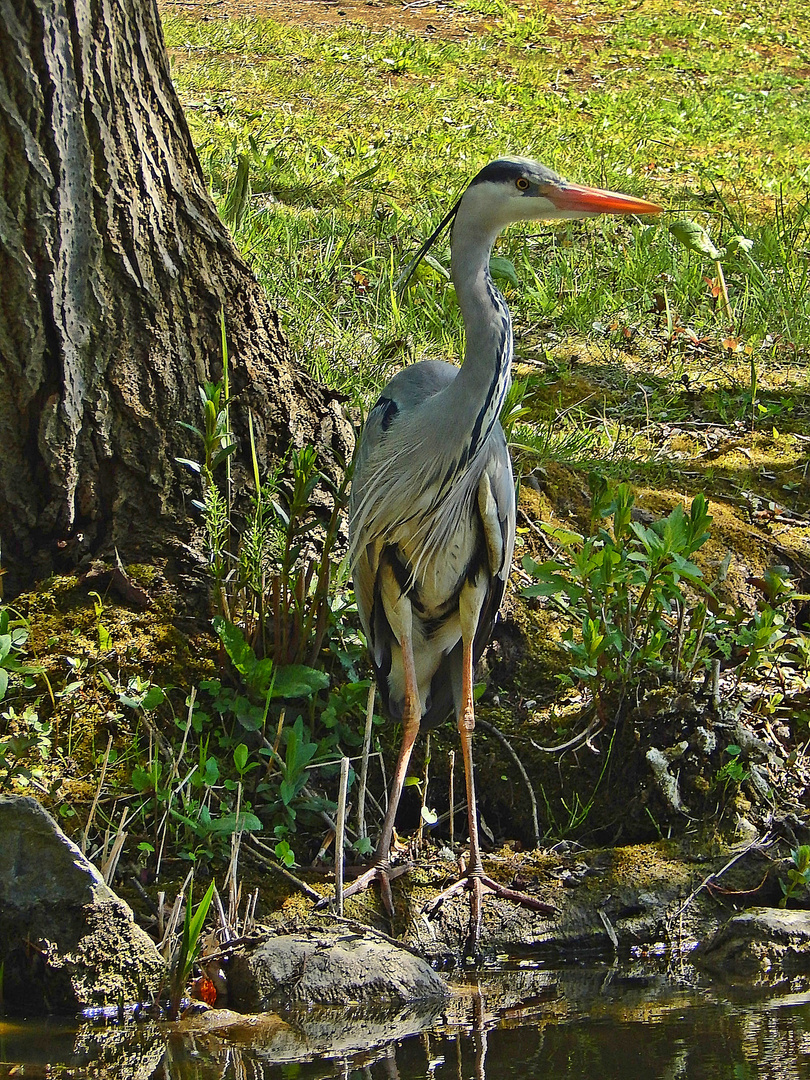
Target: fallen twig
[
  {"x": 756, "y": 842},
  {"x": 263, "y": 857},
  {"x": 573, "y": 743}
]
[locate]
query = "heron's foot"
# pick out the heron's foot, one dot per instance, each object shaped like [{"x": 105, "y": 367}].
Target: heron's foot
[
  {"x": 381, "y": 871},
  {"x": 479, "y": 884}
]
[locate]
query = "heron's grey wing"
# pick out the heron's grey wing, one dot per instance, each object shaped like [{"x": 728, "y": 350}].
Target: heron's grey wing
[
  {"x": 408, "y": 388},
  {"x": 498, "y": 544},
  {"x": 502, "y": 524},
  {"x": 367, "y": 557}
]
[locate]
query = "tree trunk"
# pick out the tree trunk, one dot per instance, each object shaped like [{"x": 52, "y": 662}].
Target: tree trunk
[{"x": 114, "y": 268}]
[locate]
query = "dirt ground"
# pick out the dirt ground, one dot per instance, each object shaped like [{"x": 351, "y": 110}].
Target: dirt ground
[{"x": 420, "y": 17}]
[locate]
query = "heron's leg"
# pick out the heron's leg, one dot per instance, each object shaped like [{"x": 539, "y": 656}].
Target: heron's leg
[
  {"x": 399, "y": 613},
  {"x": 466, "y": 726},
  {"x": 470, "y": 603}
]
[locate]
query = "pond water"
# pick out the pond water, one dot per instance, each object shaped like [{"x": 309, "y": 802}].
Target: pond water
[{"x": 521, "y": 1022}]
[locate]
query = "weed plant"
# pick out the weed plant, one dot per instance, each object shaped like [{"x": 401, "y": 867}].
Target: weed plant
[
  {"x": 640, "y": 608},
  {"x": 798, "y": 881}
]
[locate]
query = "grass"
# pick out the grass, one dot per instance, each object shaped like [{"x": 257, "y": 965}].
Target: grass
[{"x": 353, "y": 141}]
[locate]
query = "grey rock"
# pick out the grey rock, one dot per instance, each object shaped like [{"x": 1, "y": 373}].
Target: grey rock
[
  {"x": 759, "y": 941},
  {"x": 66, "y": 940},
  {"x": 326, "y": 967}
]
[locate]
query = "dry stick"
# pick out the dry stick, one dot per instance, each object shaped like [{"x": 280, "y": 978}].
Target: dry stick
[
  {"x": 111, "y": 864},
  {"x": 340, "y": 833},
  {"x": 265, "y": 860},
  {"x": 364, "y": 930},
  {"x": 97, "y": 796},
  {"x": 361, "y": 795},
  {"x": 161, "y": 913},
  {"x": 225, "y": 926},
  {"x": 165, "y": 945},
  {"x": 726, "y": 305},
  {"x": 756, "y": 842},
  {"x": 459, "y": 808},
  {"x": 163, "y": 827},
  {"x": 423, "y": 808},
  {"x": 539, "y": 532},
  {"x": 452, "y": 800},
  {"x": 573, "y": 743},
  {"x": 250, "y": 912},
  {"x": 499, "y": 735},
  {"x": 232, "y": 873}
]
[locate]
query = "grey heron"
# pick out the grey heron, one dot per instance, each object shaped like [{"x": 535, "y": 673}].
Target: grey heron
[{"x": 432, "y": 507}]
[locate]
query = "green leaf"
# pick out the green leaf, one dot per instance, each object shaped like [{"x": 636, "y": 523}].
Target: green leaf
[
  {"x": 289, "y": 788},
  {"x": 153, "y": 697},
  {"x": 563, "y": 536},
  {"x": 297, "y": 680},
  {"x": 695, "y": 238},
  {"x": 240, "y": 756},
  {"x": 195, "y": 466},
  {"x": 503, "y": 270},
  {"x": 222, "y": 454},
  {"x": 261, "y": 677},
  {"x": 554, "y": 586},
  {"x": 241, "y": 654},
  {"x": 284, "y": 853},
  {"x": 228, "y": 824}
]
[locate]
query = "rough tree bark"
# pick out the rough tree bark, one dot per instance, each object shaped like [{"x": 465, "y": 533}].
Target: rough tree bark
[{"x": 113, "y": 270}]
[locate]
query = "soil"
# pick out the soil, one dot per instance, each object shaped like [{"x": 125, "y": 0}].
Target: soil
[{"x": 417, "y": 18}]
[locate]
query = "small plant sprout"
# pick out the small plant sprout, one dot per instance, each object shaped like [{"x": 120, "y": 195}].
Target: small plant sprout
[
  {"x": 733, "y": 770},
  {"x": 798, "y": 875},
  {"x": 188, "y": 949}
]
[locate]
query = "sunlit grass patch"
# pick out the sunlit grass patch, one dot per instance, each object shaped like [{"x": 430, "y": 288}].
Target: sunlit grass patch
[{"x": 353, "y": 141}]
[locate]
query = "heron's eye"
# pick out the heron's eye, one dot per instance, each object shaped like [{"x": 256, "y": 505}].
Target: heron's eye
[{"x": 522, "y": 184}]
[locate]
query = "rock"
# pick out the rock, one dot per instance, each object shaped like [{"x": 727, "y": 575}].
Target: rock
[
  {"x": 760, "y": 941},
  {"x": 327, "y": 967},
  {"x": 66, "y": 940},
  {"x": 326, "y": 1032}
]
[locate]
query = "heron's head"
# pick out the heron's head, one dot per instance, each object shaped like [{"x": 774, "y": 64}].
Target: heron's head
[
  {"x": 513, "y": 189},
  {"x": 517, "y": 189}
]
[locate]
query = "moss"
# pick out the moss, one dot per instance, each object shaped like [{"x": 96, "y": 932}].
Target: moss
[
  {"x": 143, "y": 574},
  {"x": 90, "y": 650}
]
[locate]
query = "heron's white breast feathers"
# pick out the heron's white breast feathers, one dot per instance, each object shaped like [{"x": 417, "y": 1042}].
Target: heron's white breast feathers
[{"x": 419, "y": 502}]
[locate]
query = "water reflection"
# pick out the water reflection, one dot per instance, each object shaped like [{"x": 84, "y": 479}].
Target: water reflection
[{"x": 520, "y": 1023}]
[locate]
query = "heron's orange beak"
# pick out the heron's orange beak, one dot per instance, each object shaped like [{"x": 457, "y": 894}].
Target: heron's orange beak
[{"x": 585, "y": 200}]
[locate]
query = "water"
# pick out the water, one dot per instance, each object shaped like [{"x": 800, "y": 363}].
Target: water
[{"x": 522, "y": 1022}]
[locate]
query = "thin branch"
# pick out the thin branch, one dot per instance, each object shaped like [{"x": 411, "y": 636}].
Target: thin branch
[
  {"x": 265, "y": 860},
  {"x": 756, "y": 842},
  {"x": 502, "y": 739},
  {"x": 573, "y": 743},
  {"x": 340, "y": 833},
  {"x": 361, "y": 795}
]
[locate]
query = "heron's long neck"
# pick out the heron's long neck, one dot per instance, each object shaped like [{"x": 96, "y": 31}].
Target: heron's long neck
[{"x": 480, "y": 387}]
